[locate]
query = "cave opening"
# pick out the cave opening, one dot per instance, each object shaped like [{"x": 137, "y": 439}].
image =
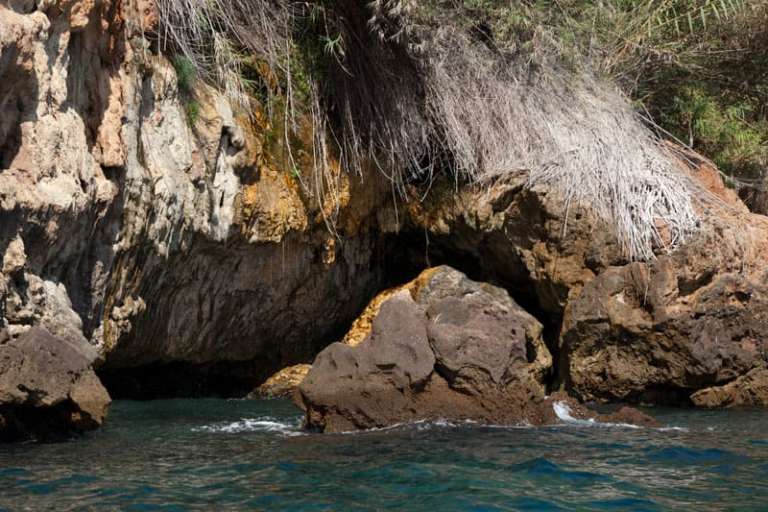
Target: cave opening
[
  {"x": 398, "y": 258},
  {"x": 474, "y": 258}
]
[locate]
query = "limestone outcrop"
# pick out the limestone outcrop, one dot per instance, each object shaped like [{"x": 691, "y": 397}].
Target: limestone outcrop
[
  {"x": 173, "y": 244},
  {"x": 48, "y": 387},
  {"x": 657, "y": 331},
  {"x": 154, "y": 236}
]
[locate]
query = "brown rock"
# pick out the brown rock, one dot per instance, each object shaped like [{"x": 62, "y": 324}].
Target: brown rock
[
  {"x": 656, "y": 331},
  {"x": 443, "y": 346},
  {"x": 750, "y": 390},
  {"x": 283, "y": 383},
  {"x": 649, "y": 332},
  {"x": 629, "y": 415},
  {"x": 561, "y": 407},
  {"x": 370, "y": 385},
  {"x": 47, "y": 388}
]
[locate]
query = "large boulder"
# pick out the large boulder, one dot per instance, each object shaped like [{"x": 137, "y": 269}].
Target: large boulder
[
  {"x": 648, "y": 332},
  {"x": 442, "y": 347},
  {"x": 47, "y": 387},
  {"x": 694, "y": 319}
]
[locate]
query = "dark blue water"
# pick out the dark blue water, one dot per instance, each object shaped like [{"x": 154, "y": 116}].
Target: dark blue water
[{"x": 245, "y": 455}]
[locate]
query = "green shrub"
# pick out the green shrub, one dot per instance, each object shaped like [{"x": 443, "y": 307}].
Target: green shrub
[
  {"x": 186, "y": 74},
  {"x": 192, "y": 109},
  {"x": 719, "y": 128}
]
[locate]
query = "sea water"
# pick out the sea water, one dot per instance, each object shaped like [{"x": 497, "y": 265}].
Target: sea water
[{"x": 252, "y": 455}]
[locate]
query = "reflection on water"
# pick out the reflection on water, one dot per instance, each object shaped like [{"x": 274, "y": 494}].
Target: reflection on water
[{"x": 246, "y": 455}]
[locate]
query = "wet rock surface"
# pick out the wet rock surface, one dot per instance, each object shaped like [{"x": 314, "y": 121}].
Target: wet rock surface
[
  {"x": 750, "y": 390},
  {"x": 560, "y": 407},
  {"x": 48, "y": 388}
]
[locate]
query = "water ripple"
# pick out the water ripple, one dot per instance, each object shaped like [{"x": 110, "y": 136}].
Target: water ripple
[{"x": 249, "y": 455}]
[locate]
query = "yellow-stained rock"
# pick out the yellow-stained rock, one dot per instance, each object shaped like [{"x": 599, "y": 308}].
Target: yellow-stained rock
[{"x": 283, "y": 383}]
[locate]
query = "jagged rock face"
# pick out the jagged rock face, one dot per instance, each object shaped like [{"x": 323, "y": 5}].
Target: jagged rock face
[
  {"x": 128, "y": 229},
  {"x": 658, "y": 331},
  {"x": 443, "y": 346},
  {"x": 693, "y": 319},
  {"x": 637, "y": 332},
  {"x": 47, "y": 387},
  {"x": 517, "y": 236}
]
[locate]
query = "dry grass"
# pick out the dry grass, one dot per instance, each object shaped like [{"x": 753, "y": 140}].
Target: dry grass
[
  {"x": 419, "y": 99},
  {"x": 562, "y": 129}
]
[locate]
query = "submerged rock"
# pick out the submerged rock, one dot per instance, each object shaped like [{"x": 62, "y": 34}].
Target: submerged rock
[
  {"x": 560, "y": 407},
  {"x": 48, "y": 388}
]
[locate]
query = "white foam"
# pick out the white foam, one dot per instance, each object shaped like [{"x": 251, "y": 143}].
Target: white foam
[
  {"x": 563, "y": 412},
  {"x": 674, "y": 429},
  {"x": 445, "y": 423},
  {"x": 421, "y": 425},
  {"x": 265, "y": 424}
]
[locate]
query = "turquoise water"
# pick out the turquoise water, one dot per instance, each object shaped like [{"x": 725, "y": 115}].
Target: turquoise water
[{"x": 250, "y": 455}]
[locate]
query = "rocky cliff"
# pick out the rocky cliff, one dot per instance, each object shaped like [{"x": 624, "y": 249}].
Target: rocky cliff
[
  {"x": 147, "y": 237},
  {"x": 153, "y": 238},
  {"x": 685, "y": 327},
  {"x": 174, "y": 249}
]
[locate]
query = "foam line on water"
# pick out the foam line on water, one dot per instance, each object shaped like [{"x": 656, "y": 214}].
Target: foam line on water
[
  {"x": 429, "y": 424},
  {"x": 264, "y": 424},
  {"x": 563, "y": 413},
  {"x": 676, "y": 429}
]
